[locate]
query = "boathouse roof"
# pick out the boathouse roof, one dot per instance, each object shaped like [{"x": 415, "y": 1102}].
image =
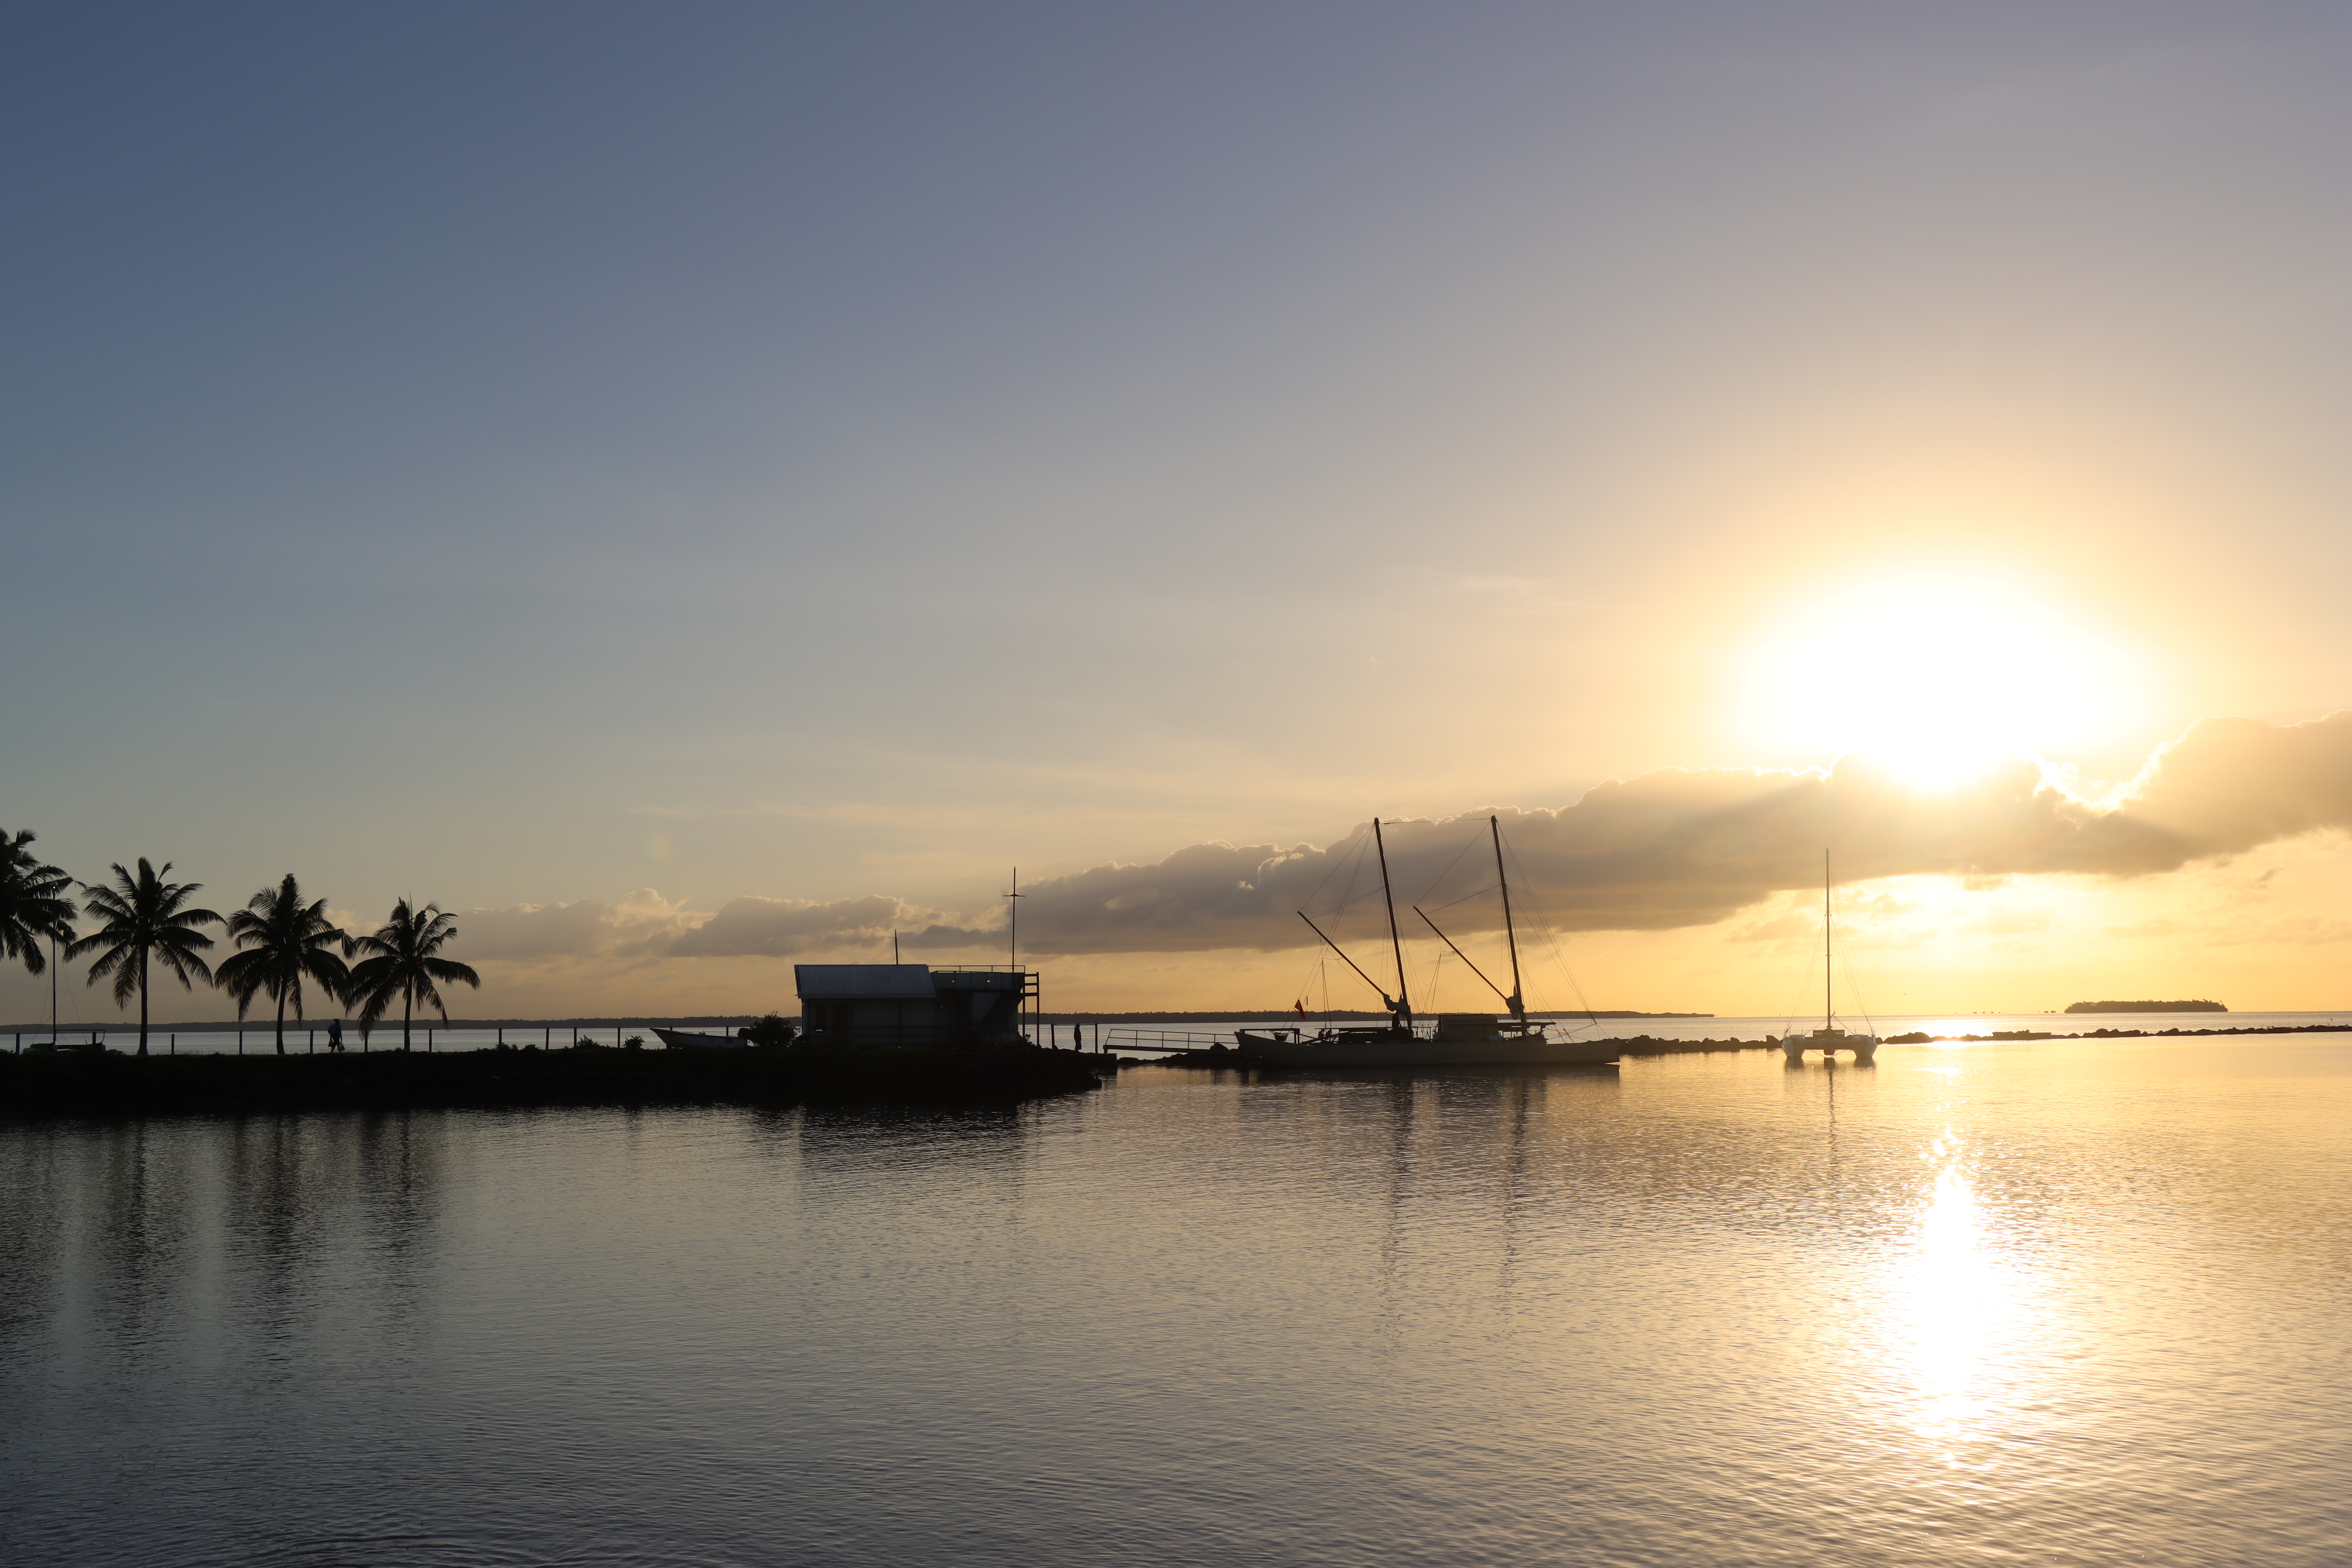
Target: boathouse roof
[{"x": 847, "y": 982}]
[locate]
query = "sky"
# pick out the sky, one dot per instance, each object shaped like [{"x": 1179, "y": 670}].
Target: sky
[{"x": 694, "y": 488}]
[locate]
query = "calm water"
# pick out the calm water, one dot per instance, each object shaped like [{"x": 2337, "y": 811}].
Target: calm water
[
  {"x": 258, "y": 1039},
  {"x": 2045, "y": 1303}
]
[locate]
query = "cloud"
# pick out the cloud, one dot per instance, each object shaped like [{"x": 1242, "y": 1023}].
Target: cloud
[
  {"x": 1785, "y": 928},
  {"x": 642, "y": 925},
  {"x": 645, "y": 925},
  {"x": 1661, "y": 851},
  {"x": 1686, "y": 847},
  {"x": 779, "y": 928}
]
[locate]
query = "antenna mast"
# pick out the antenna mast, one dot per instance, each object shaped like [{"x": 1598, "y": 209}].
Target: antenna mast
[
  {"x": 1013, "y": 902},
  {"x": 1827, "y": 971}
]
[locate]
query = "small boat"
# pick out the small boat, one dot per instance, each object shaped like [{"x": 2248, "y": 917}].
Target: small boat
[
  {"x": 1460, "y": 1040},
  {"x": 1828, "y": 1039},
  {"x": 682, "y": 1039}
]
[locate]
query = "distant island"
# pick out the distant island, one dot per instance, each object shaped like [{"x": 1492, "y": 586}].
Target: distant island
[
  {"x": 1290, "y": 1016},
  {"x": 2146, "y": 1007}
]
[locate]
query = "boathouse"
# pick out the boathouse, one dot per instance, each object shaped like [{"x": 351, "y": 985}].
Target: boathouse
[{"x": 912, "y": 1003}]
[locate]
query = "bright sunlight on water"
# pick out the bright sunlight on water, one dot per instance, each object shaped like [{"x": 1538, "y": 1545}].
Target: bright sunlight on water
[{"x": 2057, "y": 1303}]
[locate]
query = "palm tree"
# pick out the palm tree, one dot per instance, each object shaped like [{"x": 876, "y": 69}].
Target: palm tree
[
  {"x": 283, "y": 939},
  {"x": 33, "y": 904},
  {"x": 401, "y": 963},
  {"x": 145, "y": 915}
]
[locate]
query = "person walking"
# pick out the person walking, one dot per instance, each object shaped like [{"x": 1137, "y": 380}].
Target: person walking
[{"x": 334, "y": 1035}]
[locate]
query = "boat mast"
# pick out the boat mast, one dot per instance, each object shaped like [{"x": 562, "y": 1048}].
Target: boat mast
[
  {"x": 1826, "y": 970},
  {"x": 1518, "y": 1007},
  {"x": 1396, "y": 943}
]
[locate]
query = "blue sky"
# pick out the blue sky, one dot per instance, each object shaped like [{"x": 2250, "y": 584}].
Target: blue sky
[{"x": 534, "y": 455}]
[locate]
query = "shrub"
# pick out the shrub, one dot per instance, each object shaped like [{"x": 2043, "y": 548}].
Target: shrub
[{"x": 775, "y": 1029}]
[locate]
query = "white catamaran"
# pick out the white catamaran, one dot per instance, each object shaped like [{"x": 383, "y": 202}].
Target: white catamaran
[
  {"x": 1460, "y": 1040},
  {"x": 1828, "y": 1039}
]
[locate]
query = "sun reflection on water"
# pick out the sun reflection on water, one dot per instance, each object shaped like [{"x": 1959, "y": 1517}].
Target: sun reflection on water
[{"x": 1960, "y": 1312}]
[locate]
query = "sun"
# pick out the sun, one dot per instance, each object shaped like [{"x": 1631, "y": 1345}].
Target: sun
[{"x": 1937, "y": 678}]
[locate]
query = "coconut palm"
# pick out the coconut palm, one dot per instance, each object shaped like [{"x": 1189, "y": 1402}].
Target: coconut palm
[
  {"x": 402, "y": 962},
  {"x": 281, "y": 939},
  {"x": 146, "y": 918},
  {"x": 33, "y": 902}
]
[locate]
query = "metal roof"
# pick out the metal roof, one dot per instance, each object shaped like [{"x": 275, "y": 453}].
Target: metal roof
[{"x": 854, "y": 979}]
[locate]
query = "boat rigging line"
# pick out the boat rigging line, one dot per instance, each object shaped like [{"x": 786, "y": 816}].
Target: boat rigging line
[
  {"x": 1459, "y": 955},
  {"x": 1404, "y": 1002},
  {"x": 1350, "y": 963},
  {"x": 1544, "y": 925},
  {"x": 1401, "y": 1007}
]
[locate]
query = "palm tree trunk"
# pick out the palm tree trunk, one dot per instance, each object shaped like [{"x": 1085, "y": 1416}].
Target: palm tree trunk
[
  {"x": 281, "y": 1023},
  {"x": 142, "y": 1001},
  {"x": 407, "y": 1001}
]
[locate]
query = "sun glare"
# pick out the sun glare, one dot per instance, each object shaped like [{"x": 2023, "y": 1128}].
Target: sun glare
[
  {"x": 1938, "y": 680},
  {"x": 1957, "y": 1314}
]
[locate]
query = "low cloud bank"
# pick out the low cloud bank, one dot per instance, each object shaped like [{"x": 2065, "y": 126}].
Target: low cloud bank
[
  {"x": 1689, "y": 847},
  {"x": 1679, "y": 847},
  {"x": 645, "y": 926},
  {"x": 779, "y": 928}
]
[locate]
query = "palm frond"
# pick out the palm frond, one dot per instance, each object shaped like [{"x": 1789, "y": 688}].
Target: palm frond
[{"x": 449, "y": 969}]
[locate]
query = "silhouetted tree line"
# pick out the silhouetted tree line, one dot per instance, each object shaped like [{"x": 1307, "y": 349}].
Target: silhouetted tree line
[{"x": 145, "y": 921}]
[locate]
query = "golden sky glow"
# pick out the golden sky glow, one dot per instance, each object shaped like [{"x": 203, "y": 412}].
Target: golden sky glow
[
  {"x": 688, "y": 540},
  {"x": 1939, "y": 675}
]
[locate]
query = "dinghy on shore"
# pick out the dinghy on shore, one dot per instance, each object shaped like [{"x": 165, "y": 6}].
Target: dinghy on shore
[{"x": 679, "y": 1039}]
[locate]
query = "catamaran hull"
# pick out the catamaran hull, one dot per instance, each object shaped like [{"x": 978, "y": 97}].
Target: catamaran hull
[
  {"x": 1863, "y": 1047},
  {"x": 1276, "y": 1050}
]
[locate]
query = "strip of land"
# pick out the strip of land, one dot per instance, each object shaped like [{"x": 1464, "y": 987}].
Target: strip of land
[
  {"x": 1650, "y": 1046},
  {"x": 1643, "y": 1046},
  {"x": 87, "y": 1083}
]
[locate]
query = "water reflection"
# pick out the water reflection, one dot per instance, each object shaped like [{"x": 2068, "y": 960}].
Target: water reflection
[
  {"x": 34, "y": 1206},
  {"x": 143, "y": 1223},
  {"x": 392, "y": 1165},
  {"x": 1959, "y": 1312},
  {"x": 1956, "y": 1310}
]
